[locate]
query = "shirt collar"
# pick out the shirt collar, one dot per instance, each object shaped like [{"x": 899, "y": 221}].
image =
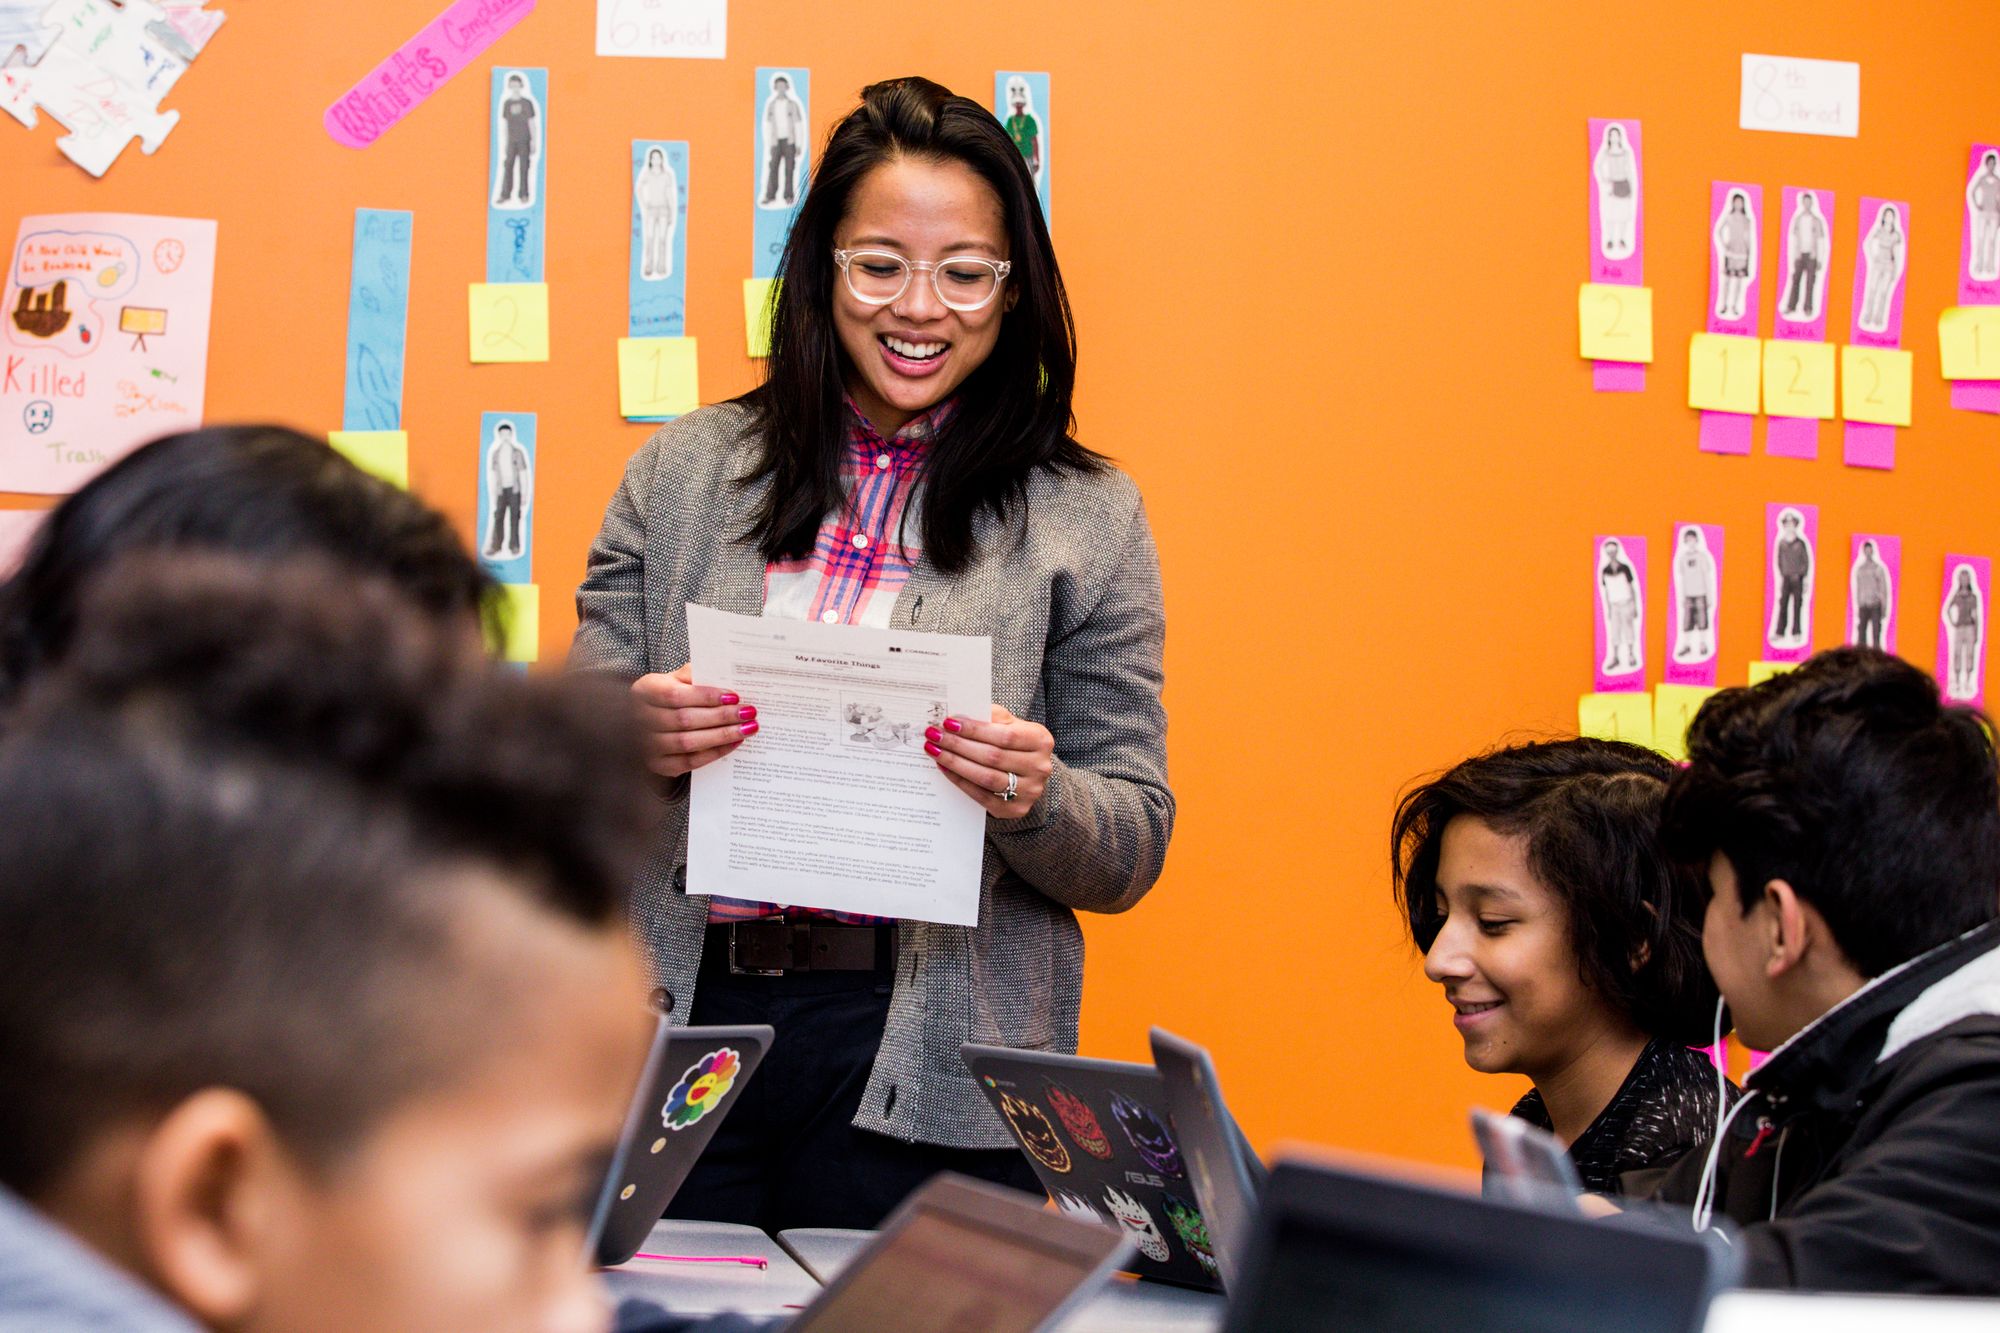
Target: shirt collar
[{"x": 917, "y": 432}]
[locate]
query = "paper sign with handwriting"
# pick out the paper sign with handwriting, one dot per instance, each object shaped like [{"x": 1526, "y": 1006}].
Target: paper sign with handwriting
[
  {"x": 103, "y": 342},
  {"x": 1789, "y": 95},
  {"x": 688, "y": 29},
  {"x": 422, "y": 65},
  {"x": 378, "y": 313}
]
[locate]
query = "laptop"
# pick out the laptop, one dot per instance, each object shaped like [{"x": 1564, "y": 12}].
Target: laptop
[
  {"x": 962, "y": 1256},
  {"x": 1223, "y": 1167},
  {"x": 1340, "y": 1248},
  {"x": 693, "y": 1076},
  {"x": 1100, "y": 1139}
]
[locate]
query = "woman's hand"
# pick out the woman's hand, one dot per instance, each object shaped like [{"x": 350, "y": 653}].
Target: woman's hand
[
  {"x": 980, "y": 757},
  {"x": 685, "y": 725}
]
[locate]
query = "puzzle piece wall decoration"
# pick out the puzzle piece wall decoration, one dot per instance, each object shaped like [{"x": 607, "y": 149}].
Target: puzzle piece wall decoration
[
  {"x": 23, "y": 30},
  {"x": 103, "y": 76}
]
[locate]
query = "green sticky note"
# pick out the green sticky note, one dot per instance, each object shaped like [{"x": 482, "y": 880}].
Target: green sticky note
[
  {"x": 1674, "y": 707},
  {"x": 520, "y": 608},
  {"x": 760, "y": 301},
  {"x": 1626, "y": 716},
  {"x": 379, "y": 453},
  {"x": 1763, "y": 671}
]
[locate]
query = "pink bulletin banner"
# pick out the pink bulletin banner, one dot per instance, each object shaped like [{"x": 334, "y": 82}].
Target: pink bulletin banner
[
  {"x": 1618, "y": 575},
  {"x": 1874, "y": 590},
  {"x": 1735, "y": 223},
  {"x": 1617, "y": 233},
  {"x": 1697, "y": 599},
  {"x": 1881, "y": 270},
  {"x": 422, "y": 65},
  {"x": 1961, "y": 659},
  {"x": 1979, "y": 263},
  {"x": 1805, "y": 232},
  {"x": 1791, "y": 541}
]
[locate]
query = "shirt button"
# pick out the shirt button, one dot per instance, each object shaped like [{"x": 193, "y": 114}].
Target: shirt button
[
  {"x": 881, "y": 460},
  {"x": 830, "y": 617},
  {"x": 860, "y": 541}
]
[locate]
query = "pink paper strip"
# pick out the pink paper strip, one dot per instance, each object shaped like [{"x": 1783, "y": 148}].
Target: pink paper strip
[
  {"x": 1874, "y": 589},
  {"x": 1805, "y": 219},
  {"x": 1695, "y": 612},
  {"x": 1618, "y": 577},
  {"x": 1792, "y": 437},
  {"x": 425, "y": 63},
  {"x": 1961, "y": 659},
  {"x": 1789, "y": 573},
  {"x": 1869, "y": 444},
  {"x": 1726, "y": 432},
  {"x": 1881, "y": 273},
  {"x": 1975, "y": 395},
  {"x": 1979, "y": 273},
  {"x": 1618, "y": 376},
  {"x": 1736, "y": 253}
]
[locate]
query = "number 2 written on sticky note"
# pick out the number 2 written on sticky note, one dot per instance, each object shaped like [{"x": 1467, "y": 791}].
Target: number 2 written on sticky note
[
  {"x": 1616, "y": 717},
  {"x": 1969, "y": 342},
  {"x": 510, "y": 321},
  {"x": 657, "y": 377},
  {"x": 1723, "y": 372},
  {"x": 1875, "y": 384},
  {"x": 1615, "y": 323},
  {"x": 1798, "y": 379}
]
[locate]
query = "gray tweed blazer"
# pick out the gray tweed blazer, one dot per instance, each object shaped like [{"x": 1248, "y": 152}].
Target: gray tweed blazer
[{"x": 1071, "y": 598}]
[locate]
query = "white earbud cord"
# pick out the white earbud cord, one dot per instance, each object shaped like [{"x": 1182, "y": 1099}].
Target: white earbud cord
[{"x": 1704, "y": 1199}]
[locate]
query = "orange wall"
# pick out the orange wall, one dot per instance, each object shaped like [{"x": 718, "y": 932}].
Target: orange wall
[{"x": 1324, "y": 261}]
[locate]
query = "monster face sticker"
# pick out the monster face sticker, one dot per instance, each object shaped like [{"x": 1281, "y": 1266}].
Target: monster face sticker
[
  {"x": 1138, "y": 1223},
  {"x": 1187, "y": 1222},
  {"x": 1148, "y": 1134},
  {"x": 1037, "y": 1135},
  {"x": 701, "y": 1089},
  {"x": 1075, "y": 1205},
  {"x": 1079, "y": 1121}
]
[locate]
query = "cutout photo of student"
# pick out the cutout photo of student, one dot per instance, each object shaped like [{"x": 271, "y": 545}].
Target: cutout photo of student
[
  {"x": 1850, "y": 824},
  {"x": 1567, "y": 945},
  {"x": 1615, "y": 168},
  {"x": 1871, "y": 593},
  {"x": 1619, "y": 600},
  {"x": 1694, "y": 589}
]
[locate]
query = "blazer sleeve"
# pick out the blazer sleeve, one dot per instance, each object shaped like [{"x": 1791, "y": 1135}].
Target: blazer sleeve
[
  {"x": 611, "y": 601},
  {"x": 1097, "y": 839}
]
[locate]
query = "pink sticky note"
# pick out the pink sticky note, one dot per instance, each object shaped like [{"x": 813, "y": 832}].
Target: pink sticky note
[
  {"x": 1726, "y": 432},
  {"x": 1975, "y": 395},
  {"x": 1791, "y": 537},
  {"x": 1868, "y": 444},
  {"x": 1617, "y": 232},
  {"x": 1961, "y": 659},
  {"x": 1874, "y": 587},
  {"x": 422, "y": 65},
  {"x": 1791, "y": 437},
  {"x": 1979, "y": 262},
  {"x": 1805, "y": 251},
  {"x": 1618, "y": 575},
  {"x": 1697, "y": 599}
]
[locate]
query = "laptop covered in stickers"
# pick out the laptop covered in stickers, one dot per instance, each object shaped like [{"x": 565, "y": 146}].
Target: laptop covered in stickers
[
  {"x": 1098, "y": 1134},
  {"x": 1226, "y": 1173},
  {"x": 693, "y": 1077}
]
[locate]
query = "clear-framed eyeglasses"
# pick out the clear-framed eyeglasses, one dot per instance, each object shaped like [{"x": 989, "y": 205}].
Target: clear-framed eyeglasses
[{"x": 962, "y": 282}]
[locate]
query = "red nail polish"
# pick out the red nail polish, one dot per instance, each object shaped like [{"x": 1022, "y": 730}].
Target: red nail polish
[
  {"x": 933, "y": 734},
  {"x": 952, "y": 725},
  {"x": 746, "y": 714},
  {"x": 932, "y": 750},
  {"x": 728, "y": 698},
  {"x": 749, "y": 728}
]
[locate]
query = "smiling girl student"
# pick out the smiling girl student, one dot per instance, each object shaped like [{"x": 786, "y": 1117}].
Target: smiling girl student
[
  {"x": 1568, "y": 947},
  {"x": 908, "y": 463}
]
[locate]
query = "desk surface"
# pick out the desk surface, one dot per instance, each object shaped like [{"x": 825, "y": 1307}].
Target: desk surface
[
  {"x": 1124, "y": 1306},
  {"x": 711, "y": 1288}
]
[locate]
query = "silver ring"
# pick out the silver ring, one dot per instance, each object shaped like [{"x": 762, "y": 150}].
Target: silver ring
[{"x": 1013, "y": 788}]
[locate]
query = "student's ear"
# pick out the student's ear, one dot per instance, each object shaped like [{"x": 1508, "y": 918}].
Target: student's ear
[
  {"x": 204, "y": 1202},
  {"x": 1789, "y": 923}
]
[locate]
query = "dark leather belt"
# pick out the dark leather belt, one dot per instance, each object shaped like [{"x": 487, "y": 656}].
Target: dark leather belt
[{"x": 774, "y": 946}]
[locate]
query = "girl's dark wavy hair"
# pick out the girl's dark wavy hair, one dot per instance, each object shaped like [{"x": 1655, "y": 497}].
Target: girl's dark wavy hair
[
  {"x": 1590, "y": 811},
  {"x": 1015, "y": 411}
]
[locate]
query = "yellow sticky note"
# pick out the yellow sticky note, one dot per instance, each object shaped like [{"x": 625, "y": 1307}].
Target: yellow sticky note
[
  {"x": 1763, "y": 671},
  {"x": 520, "y": 609},
  {"x": 1615, "y": 323},
  {"x": 1674, "y": 707},
  {"x": 1723, "y": 372},
  {"x": 379, "y": 453},
  {"x": 1798, "y": 379},
  {"x": 1875, "y": 384},
  {"x": 1969, "y": 342},
  {"x": 510, "y": 321},
  {"x": 657, "y": 377},
  {"x": 760, "y": 298},
  {"x": 1616, "y": 717}
]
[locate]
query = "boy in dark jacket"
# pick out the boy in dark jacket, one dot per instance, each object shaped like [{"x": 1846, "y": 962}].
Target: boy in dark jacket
[{"x": 1851, "y": 825}]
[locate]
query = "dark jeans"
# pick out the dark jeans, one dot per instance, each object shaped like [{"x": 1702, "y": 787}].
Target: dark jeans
[
  {"x": 1868, "y": 625},
  {"x": 1792, "y": 596},
  {"x": 788, "y": 1155},
  {"x": 1801, "y": 295},
  {"x": 519, "y": 152},
  {"x": 785, "y": 155},
  {"x": 506, "y": 512}
]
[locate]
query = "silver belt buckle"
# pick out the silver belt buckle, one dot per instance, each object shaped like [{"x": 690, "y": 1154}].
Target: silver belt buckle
[{"x": 736, "y": 971}]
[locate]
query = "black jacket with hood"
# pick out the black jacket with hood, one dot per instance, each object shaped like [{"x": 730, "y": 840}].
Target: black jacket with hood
[{"x": 1866, "y": 1155}]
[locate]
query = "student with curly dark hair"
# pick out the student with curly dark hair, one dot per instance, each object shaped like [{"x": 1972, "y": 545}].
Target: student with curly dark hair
[
  {"x": 1568, "y": 945},
  {"x": 1849, "y": 822}
]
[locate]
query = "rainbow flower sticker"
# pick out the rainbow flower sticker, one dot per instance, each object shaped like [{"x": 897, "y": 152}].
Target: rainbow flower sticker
[{"x": 701, "y": 1089}]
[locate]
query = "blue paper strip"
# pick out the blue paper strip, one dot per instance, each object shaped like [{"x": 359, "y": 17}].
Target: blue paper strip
[
  {"x": 783, "y": 140},
  {"x": 516, "y": 214},
  {"x": 1027, "y": 126},
  {"x": 506, "y": 526},
  {"x": 658, "y": 279},
  {"x": 378, "y": 309}
]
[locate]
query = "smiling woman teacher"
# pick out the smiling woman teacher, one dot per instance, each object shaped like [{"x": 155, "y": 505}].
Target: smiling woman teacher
[{"x": 908, "y": 462}]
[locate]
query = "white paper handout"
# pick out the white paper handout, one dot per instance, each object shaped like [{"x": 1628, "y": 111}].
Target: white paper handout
[{"x": 833, "y": 803}]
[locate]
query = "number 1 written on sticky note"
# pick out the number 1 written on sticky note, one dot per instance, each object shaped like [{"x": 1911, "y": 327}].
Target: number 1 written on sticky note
[
  {"x": 1615, "y": 323},
  {"x": 1674, "y": 707},
  {"x": 510, "y": 321},
  {"x": 1616, "y": 717},
  {"x": 1723, "y": 372},
  {"x": 657, "y": 377},
  {"x": 1969, "y": 342}
]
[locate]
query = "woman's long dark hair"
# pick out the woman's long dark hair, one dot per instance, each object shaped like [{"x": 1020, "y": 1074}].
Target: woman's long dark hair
[{"x": 1014, "y": 410}]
